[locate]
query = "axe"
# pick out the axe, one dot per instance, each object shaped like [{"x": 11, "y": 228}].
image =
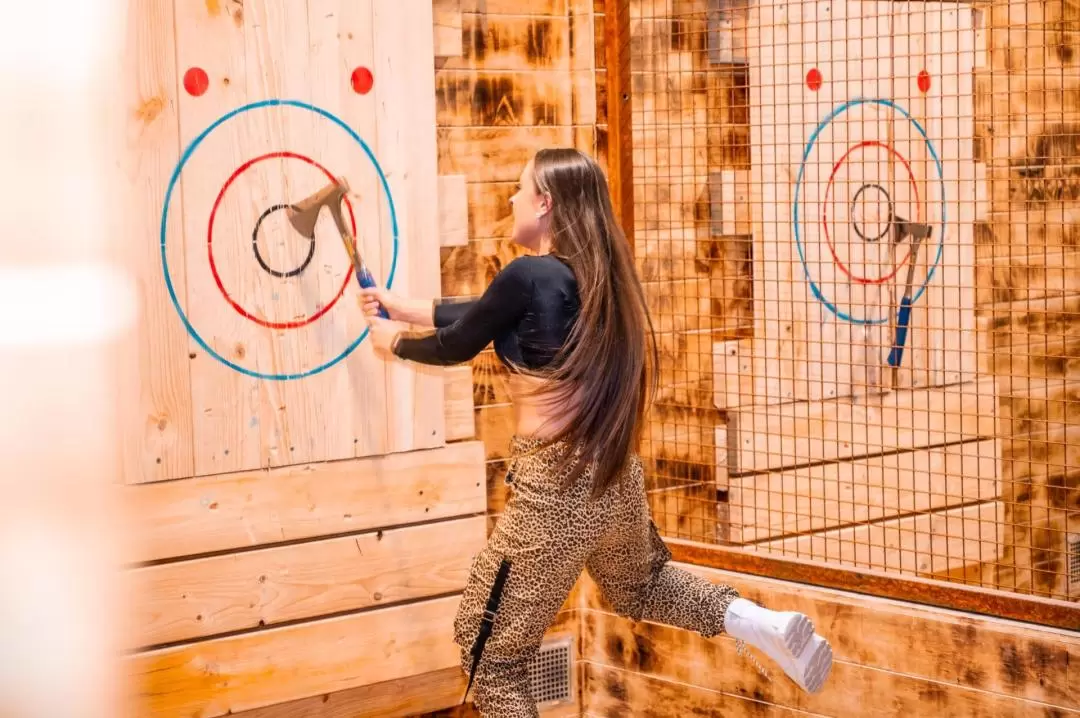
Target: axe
[
  {"x": 902, "y": 228},
  {"x": 303, "y": 216}
]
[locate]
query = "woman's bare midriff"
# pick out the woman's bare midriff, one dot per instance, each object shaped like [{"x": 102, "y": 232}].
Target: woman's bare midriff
[{"x": 536, "y": 416}]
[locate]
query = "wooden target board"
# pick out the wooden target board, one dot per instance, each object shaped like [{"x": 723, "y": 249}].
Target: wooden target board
[
  {"x": 862, "y": 126},
  {"x": 254, "y": 327}
]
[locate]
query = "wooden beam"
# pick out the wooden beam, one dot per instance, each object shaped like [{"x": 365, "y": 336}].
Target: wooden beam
[
  {"x": 218, "y": 513},
  {"x": 401, "y": 698},
  {"x": 460, "y": 417},
  {"x": 770, "y": 437},
  {"x": 222, "y": 676},
  {"x": 453, "y": 211},
  {"x": 193, "y": 599},
  {"x": 982, "y": 601},
  {"x": 447, "y": 28},
  {"x": 733, "y": 377},
  {"x": 619, "y": 102}
]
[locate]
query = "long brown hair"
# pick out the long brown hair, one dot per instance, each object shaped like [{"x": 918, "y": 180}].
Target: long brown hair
[{"x": 608, "y": 365}]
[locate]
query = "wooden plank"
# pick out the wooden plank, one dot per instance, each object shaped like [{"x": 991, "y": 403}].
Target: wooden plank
[
  {"x": 494, "y": 427},
  {"x": 685, "y": 369},
  {"x": 489, "y": 98},
  {"x": 729, "y": 195},
  {"x": 517, "y": 7},
  {"x": 194, "y": 599},
  {"x": 1033, "y": 339},
  {"x": 400, "y": 698},
  {"x": 351, "y": 44},
  {"x": 679, "y": 305},
  {"x": 614, "y": 692},
  {"x": 490, "y": 211},
  {"x": 158, "y": 431},
  {"x": 417, "y": 695},
  {"x": 680, "y": 440},
  {"x": 453, "y": 211},
  {"x": 218, "y": 513},
  {"x": 496, "y": 154},
  {"x": 585, "y": 103},
  {"x": 460, "y": 423},
  {"x": 658, "y": 672},
  {"x": 733, "y": 384},
  {"x": 514, "y": 42},
  {"x": 914, "y": 590},
  {"x": 228, "y": 675},
  {"x": 446, "y": 15},
  {"x": 468, "y": 270},
  {"x": 816, "y": 498},
  {"x": 687, "y": 511},
  {"x": 1037, "y": 408},
  {"x": 926, "y": 543},
  {"x": 612, "y": 51},
  {"x": 403, "y": 57},
  {"x": 1026, "y": 277},
  {"x": 491, "y": 380},
  {"x": 723, "y": 479},
  {"x": 927, "y": 645},
  {"x": 769, "y": 437}
]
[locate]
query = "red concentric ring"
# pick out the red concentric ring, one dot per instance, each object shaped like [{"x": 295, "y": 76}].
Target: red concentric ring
[
  {"x": 825, "y": 213},
  {"x": 210, "y": 244}
]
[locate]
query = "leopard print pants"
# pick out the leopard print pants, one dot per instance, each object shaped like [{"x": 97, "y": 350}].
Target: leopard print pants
[{"x": 549, "y": 534}]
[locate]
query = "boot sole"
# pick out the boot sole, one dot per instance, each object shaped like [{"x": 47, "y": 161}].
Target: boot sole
[
  {"x": 797, "y": 634},
  {"x": 818, "y": 668}
]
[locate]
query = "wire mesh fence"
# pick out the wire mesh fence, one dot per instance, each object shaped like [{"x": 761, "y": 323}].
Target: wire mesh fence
[{"x": 857, "y": 227}]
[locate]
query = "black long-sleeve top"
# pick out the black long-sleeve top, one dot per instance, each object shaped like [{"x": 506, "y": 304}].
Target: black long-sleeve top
[{"x": 528, "y": 311}]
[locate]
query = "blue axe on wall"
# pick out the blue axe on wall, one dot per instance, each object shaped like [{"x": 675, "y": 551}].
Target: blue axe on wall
[{"x": 903, "y": 229}]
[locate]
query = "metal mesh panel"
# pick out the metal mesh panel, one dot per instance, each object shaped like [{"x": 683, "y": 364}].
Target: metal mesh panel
[{"x": 857, "y": 227}]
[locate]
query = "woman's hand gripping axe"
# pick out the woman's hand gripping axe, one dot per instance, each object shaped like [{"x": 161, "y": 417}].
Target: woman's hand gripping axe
[{"x": 304, "y": 214}]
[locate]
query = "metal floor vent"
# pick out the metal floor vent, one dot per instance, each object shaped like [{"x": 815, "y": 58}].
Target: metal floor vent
[
  {"x": 1072, "y": 557},
  {"x": 551, "y": 672}
]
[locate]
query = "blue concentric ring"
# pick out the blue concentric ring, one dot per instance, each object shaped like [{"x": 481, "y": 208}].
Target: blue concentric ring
[{"x": 186, "y": 156}]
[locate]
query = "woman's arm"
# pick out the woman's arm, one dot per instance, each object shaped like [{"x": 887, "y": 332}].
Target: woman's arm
[
  {"x": 474, "y": 324},
  {"x": 444, "y": 314}
]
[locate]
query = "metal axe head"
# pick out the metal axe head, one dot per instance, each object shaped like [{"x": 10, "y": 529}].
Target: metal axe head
[
  {"x": 303, "y": 215},
  {"x": 902, "y": 229}
]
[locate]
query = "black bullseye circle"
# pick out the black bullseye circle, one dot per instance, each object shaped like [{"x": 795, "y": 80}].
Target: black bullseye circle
[
  {"x": 258, "y": 254},
  {"x": 888, "y": 221}
]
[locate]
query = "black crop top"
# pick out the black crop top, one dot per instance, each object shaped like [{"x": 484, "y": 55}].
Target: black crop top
[{"x": 528, "y": 311}]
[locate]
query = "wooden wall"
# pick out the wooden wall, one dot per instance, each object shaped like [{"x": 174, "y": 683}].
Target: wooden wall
[
  {"x": 301, "y": 527},
  {"x": 1027, "y": 100},
  {"x": 891, "y": 659}
]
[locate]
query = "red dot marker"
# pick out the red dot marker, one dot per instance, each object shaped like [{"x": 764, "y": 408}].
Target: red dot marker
[
  {"x": 362, "y": 80},
  {"x": 924, "y": 81},
  {"x": 813, "y": 79},
  {"x": 195, "y": 81}
]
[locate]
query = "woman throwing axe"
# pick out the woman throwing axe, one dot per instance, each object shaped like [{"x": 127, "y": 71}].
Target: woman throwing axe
[{"x": 571, "y": 323}]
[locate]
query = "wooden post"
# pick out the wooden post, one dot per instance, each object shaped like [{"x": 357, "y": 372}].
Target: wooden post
[{"x": 620, "y": 133}]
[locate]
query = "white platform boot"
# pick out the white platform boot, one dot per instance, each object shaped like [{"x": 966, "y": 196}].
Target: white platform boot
[{"x": 786, "y": 637}]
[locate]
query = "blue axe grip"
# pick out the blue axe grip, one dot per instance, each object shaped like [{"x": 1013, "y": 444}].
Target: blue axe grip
[
  {"x": 367, "y": 281},
  {"x": 897, "y": 352}
]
